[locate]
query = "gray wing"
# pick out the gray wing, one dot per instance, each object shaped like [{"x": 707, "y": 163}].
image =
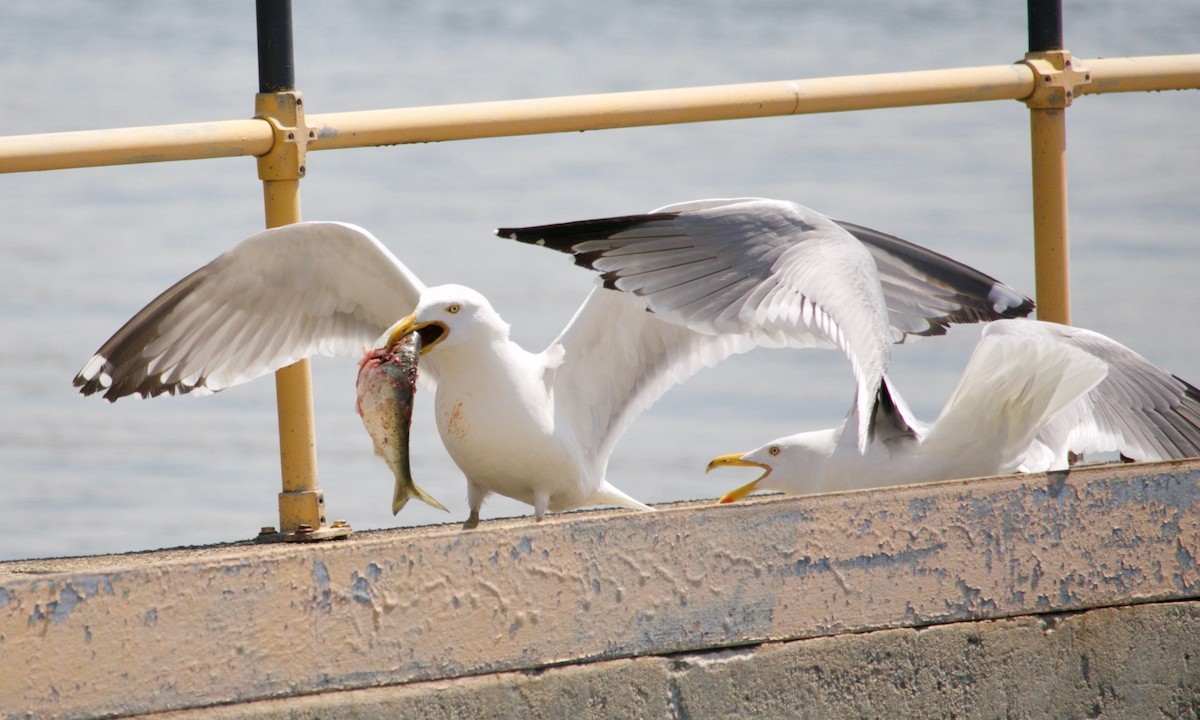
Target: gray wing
[
  {"x": 1139, "y": 409},
  {"x": 776, "y": 272},
  {"x": 277, "y": 297},
  {"x": 926, "y": 291}
]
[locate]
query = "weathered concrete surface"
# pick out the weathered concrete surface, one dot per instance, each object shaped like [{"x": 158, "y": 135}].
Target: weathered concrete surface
[
  {"x": 160, "y": 631},
  {"x": 1141, "y": 661},
  {"x": 636, "y": 688}
]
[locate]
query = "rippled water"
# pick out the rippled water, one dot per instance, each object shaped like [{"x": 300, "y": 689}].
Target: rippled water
[{"x": 84, "y": 249}]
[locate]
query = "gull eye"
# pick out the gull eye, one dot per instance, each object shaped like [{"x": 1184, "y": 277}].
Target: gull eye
[
  {"x": 453, "y": 308},
  {"x": 774, "y": 449}
]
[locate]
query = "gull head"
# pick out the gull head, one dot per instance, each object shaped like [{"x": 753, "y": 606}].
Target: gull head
[
  {"x": 789, "y": 464},
  {"x": 448, "y": 316}
]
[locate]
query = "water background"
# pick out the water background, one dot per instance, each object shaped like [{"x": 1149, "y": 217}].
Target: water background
[{"x": 82, "y": 250}]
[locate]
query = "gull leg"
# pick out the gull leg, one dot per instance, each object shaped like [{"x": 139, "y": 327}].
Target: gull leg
[
  {"x": 475, "y": 495},
  {"x": 540, "y": 501}
]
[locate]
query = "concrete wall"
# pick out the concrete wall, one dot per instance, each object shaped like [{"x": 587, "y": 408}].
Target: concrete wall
[
  {"x": 1067, "y": 595},
  {"x": 1130, "y": 662}
]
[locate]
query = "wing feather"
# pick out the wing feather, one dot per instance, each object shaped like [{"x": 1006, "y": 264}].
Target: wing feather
[
  {"x": 927, "y": 291},
  {"x": 769, "y": 272},
  {"x": 1015, "y": 383},
  {"x": 317, "y": 288},
  {"x": 1139, "y": 409}
]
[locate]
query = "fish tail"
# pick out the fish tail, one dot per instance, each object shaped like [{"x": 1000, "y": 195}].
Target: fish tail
[{"x": 407, "y": 491}]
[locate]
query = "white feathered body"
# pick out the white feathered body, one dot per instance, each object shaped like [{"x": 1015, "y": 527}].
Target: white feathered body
[{"x": 526, "y": 453}]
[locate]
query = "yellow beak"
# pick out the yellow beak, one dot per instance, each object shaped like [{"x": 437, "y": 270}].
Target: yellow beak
[
  {"x": 408, "y": 326},
  {"x": 736, "y": 460},
  {"x": 401, "y": 330}
]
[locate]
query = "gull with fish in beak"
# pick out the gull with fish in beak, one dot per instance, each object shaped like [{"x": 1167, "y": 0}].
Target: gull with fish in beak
[{"x": 540, "y": 427}]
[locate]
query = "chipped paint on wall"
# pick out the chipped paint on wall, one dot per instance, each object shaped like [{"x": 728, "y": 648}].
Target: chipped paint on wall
[{"x": 216, "y": 625}]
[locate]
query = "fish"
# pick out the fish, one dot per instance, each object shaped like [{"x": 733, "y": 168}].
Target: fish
[{"x": 386, "y": 385}]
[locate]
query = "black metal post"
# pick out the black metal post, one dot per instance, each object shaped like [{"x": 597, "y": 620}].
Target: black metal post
[
  {"x": 1045, "y": 25},
  {"x": 276, "y": 67}
]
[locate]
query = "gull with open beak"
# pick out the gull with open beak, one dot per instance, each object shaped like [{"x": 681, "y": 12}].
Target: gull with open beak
[{"x": 1033, "y": 393}]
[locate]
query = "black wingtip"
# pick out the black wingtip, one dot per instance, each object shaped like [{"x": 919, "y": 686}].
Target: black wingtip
[
  {"x": 90, "y": 379},
  {"x": 1007, "y": 303},
  {"x": 564, "y": 237},
  {"x": 543, "y": 235},
  {"x": 980, "y": 297},
  {"x": 1189, "y": 390}
]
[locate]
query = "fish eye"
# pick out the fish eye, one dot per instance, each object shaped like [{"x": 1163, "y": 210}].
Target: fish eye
[
  {"x": 453, "y": 308},
  {"x": 774, "y": 449}
]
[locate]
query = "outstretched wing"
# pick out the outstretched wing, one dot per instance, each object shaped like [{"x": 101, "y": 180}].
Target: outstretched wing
[
  {"x": 1018, "y": 380},
  {"x": 1139, "y": 409},
  {"x": 784, "y": 275},
  {"x": 773, "y": 272},
  {"x": 317, "y": 288}
]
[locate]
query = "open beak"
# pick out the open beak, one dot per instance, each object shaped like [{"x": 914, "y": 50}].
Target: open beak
[
  {"x": 736, "y": 460},
  {"x": 431, "y": 333}
]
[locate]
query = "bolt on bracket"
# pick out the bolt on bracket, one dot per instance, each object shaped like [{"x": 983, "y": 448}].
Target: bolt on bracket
[
  {"x": 1057, "y": 78},
  {"x": 297, "y": 510},
  {"x": 287, "y": 156},
  {"x": 305, "y": 533}
]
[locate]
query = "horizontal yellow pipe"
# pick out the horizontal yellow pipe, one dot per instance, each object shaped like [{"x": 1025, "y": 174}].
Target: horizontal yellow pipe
[
  {"x": 1142, "y": 74},
  {"x": 22, "y": 153},
  {"x": 663, "y": 107},
  {"x": 127, "y": 146}
]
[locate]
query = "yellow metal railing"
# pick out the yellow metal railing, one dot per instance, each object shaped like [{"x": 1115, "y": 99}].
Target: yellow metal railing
[
  {"x": 332, "y": 131},
  {"x": 282, "y": 134}
]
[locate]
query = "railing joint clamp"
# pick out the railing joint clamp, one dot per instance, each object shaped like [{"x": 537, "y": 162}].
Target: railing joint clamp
[
  {"x": 284, "y": 111},
  {"x": 1057, "y": 79}
]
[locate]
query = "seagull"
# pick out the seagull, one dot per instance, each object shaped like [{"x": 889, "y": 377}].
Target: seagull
[
  {"x": 1033, "y": 393},
  {"x": 539, "y": 427},
  {"x": 783, "y": 275}
]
